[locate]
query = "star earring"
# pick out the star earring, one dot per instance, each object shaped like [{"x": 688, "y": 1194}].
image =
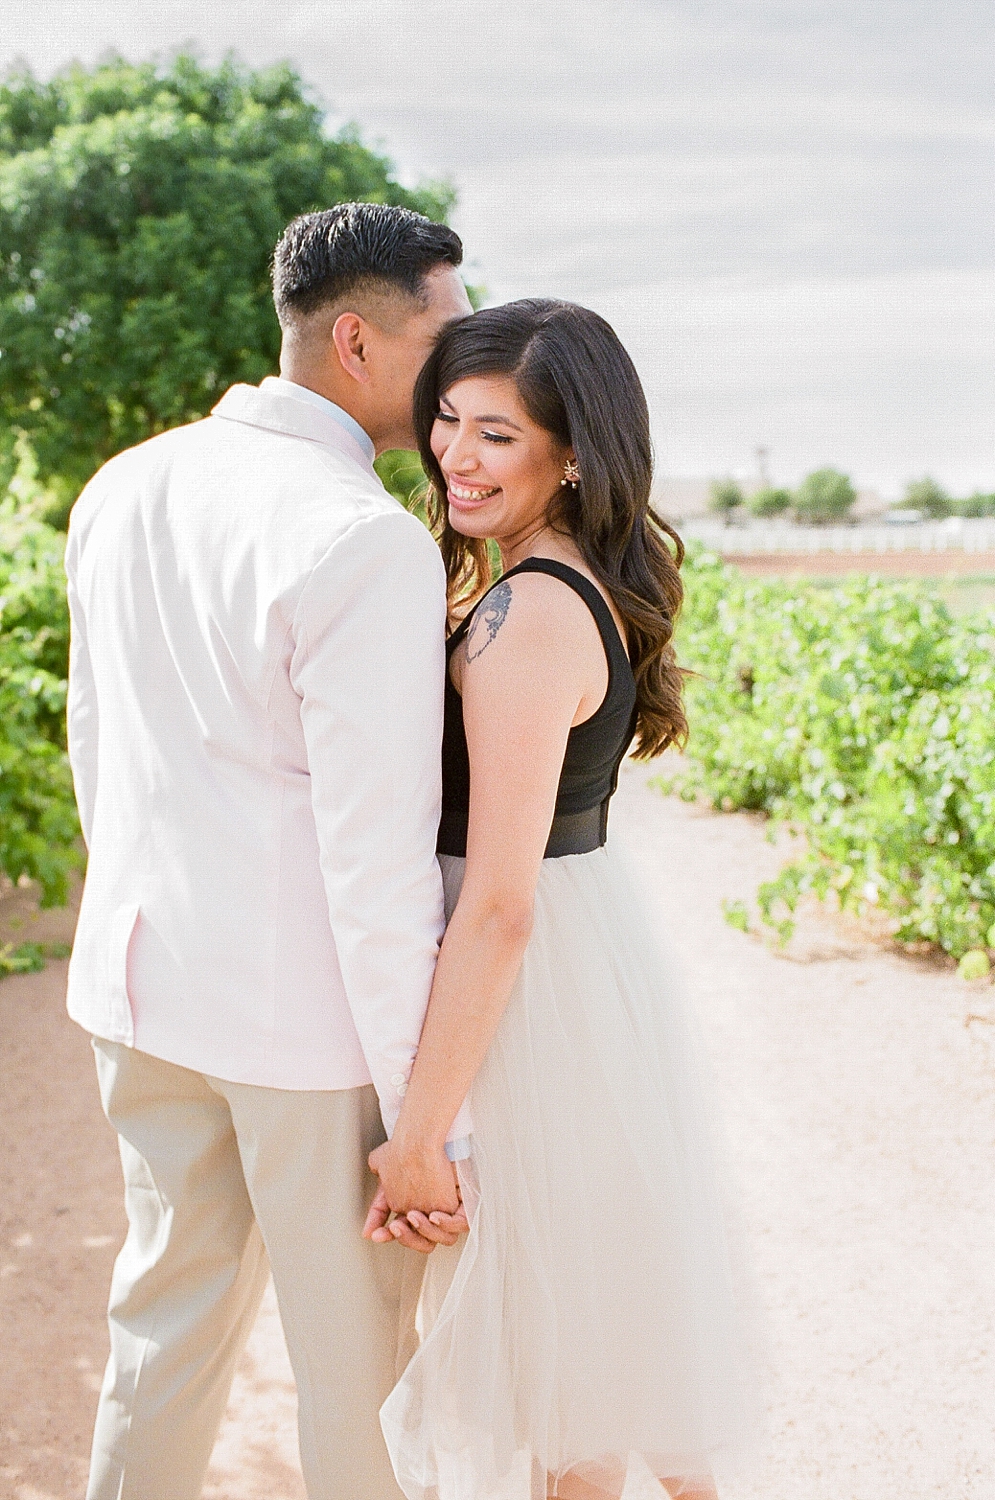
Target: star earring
[{"x": 571, "y": 474}]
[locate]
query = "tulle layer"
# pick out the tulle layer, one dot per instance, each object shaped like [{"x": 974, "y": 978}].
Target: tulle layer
[{"x": 583, "y": 1339}]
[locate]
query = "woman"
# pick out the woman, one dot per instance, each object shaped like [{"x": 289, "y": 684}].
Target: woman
[{"x": 580, "y": 1345}]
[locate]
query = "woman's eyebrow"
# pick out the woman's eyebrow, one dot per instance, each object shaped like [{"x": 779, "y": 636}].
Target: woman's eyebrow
[
  {"x": 492, "y": 417},
  {"x": 505, "y": 421}
]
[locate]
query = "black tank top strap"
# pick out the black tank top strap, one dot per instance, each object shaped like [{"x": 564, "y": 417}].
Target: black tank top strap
[{"x": 591, "y": 595}]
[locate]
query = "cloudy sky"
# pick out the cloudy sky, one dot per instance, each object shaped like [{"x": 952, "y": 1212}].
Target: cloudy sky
[{"x": 784, "y": 206}]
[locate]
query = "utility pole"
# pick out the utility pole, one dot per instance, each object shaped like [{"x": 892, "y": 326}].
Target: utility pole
[{"x": 763, "y": 469}]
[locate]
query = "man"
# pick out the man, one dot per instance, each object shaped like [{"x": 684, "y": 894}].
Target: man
[{"x": 255, "y": 721}]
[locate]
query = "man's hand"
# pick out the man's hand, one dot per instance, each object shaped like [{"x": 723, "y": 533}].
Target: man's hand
[
  {"x": 420, "y": 1186},
  {"x": 416, "y": 1176}
]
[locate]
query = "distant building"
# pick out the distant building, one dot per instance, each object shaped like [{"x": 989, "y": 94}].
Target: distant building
[
  {"x": 870, "y": 506},
  {"x": 677, "y": 499}
]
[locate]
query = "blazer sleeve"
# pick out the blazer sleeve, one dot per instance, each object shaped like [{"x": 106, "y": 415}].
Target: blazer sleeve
[
  {"x": 81, "y": 703},
  {"x": 369, "y": 666}
]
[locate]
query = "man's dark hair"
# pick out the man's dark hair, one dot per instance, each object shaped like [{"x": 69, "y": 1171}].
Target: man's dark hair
[{"x": 322, "y": 257}]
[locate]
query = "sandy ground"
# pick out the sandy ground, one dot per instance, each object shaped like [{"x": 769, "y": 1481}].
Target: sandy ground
[{"x": 860, "y": 1109}]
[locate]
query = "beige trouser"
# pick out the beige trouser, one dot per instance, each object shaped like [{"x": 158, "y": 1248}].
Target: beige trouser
[{"x": 222, "y": 1182}]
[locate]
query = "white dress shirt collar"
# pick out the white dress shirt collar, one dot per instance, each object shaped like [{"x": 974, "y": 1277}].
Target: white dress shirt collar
[{"x": 304, "y": 393}]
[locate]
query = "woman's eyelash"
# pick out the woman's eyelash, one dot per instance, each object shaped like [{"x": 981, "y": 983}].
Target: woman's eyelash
[{"x": 492, "y": 437}]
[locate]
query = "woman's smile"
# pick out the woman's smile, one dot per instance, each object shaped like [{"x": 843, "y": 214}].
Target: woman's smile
[{"x": 467, "y": 497}]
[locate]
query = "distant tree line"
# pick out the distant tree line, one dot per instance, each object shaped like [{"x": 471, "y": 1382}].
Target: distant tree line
[
  {"x": 933, "y": 503},
  {"x": 827, "y": 496},
  {"x": 824, "y": 496}
]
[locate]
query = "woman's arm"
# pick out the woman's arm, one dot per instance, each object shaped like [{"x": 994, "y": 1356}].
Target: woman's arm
[{"x": 529, "y": 669}]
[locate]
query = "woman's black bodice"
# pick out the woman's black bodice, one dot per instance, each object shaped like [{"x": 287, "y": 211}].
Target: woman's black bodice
[{"x": 594, "y": 751}]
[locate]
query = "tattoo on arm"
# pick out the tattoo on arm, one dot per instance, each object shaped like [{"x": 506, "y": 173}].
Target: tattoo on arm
[{"x": 488, "y": 620}]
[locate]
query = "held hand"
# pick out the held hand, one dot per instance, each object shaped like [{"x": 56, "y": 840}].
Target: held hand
[
  {"x": 414, "y": 1183},
  {"x": 414, "y": 1230},
  {"x": 382, "y": 1229},
  {"x": 416, "y": 1176}
]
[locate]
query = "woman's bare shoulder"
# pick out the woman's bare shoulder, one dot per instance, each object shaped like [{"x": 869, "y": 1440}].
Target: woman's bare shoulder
[{"x": 529, "y": 609}]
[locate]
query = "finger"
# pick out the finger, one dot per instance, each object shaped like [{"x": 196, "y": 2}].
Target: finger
[
  {"x": 376, "y": 1220},
  {"x": 405, "y": 1235},
  {"x": 378, "y": 1214},
  {"x": 454, "y": 1223},
  {"x": 429, "y": 1231}
]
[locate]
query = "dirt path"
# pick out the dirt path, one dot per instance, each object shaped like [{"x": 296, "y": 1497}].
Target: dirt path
[
  {"x": 950, "y": 563},
  {"x": 860, "y": 1112}
]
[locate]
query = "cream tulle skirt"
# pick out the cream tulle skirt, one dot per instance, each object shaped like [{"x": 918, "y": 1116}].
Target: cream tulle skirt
[{"x": 582, "y": 1340}]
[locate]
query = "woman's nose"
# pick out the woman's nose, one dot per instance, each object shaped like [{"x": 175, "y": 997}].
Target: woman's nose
[{"x": 461, "y": 455}]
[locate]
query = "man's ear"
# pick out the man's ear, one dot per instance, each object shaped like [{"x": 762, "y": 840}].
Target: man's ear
[{"x": 349, "y": 335}]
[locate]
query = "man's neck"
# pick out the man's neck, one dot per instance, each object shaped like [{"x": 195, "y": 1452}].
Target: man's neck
[
  {"x": 349, "y": 419},
  {"x": 311, "y": 381}
]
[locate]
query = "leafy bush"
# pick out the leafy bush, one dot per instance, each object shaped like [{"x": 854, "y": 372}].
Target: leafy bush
[
  {"x": 974, "y": 965},
  {"x": 975, "y": 506},
  {"x": 27, "y": 958},
  {"x": 725, "y": 496},
  {"x": 39, "y": 831},
  {"x": 402, "y": 475},
  {"x": 862, "y": 715},
  {"x": 770, "y": 502},
  {"x": 927, "y": 497},
  {"x": 824, "y": 496}
]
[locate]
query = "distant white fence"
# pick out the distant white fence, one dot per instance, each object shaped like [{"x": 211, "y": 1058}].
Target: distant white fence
[{"x": 744, "y": 538}]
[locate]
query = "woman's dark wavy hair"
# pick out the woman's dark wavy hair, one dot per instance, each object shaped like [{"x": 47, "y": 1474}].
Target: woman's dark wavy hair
[{"x": 576, "y": 381}]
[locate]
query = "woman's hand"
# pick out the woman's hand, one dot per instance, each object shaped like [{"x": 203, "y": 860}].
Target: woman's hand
[{"x": 419, "y": 1185}]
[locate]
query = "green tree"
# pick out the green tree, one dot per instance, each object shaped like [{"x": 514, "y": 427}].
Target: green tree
[
  {"x": 975, "y": 506},
  {"x": 39, "y": 831},
  {"x": 139, "y": 206},
  {"x": 770, "y": 502},
  {"x": 825, "y": 496},
  {"x": 927, "y": 496},
  {"x": 725, "y": 496}
]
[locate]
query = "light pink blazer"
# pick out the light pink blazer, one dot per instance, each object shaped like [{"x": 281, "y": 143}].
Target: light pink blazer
[{"x": 255, "y": 720}]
